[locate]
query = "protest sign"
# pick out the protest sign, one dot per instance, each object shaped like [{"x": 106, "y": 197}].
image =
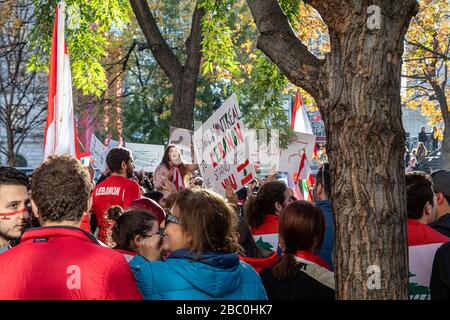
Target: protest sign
[
  {"x": 146, "y": 156},
  {"x": 269, "y": 157},
  {"x": 219, "y": 146},
  {"x": 291, "y": 156},
  {"x": 182, "y": 138},
  {"x": 98, "y": 153}
]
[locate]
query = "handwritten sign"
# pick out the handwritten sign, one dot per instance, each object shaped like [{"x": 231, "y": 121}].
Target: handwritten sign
[
  {"x": 98, "y": 153},
  {"x": 269, "y": 157},
  {"x": 146, "y": 156},
  {"x": 219, "y": 146},
  {"x": 182, "y": 138}
]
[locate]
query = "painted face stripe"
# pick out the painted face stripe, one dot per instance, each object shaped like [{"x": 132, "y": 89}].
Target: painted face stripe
[{"x": 6, "y": 216}]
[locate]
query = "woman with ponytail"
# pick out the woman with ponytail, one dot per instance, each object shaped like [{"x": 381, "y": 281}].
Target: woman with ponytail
[
  {"x": 262, "y": 213},
  {"x": 300, "y": 274},
  {"x": 130, "y": 229}
]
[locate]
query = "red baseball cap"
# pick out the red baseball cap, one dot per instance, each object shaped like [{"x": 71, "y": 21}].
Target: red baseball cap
[{"x": 151, "y": 206}]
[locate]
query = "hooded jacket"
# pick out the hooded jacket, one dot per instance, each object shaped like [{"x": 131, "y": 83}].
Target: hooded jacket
[
  {"x": 442, "y": 225},
  {"x": 64, "y": 263},
  {"x": 214, "y": 276},
  {"x": 326, "y": 251}
]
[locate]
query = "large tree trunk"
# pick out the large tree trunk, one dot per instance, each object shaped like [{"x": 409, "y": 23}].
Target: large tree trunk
[
  {"x": 357, "y": 88},
  {"x": 183, "y": 103}
]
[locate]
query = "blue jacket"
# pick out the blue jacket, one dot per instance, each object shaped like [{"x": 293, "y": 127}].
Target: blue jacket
[
  {"x": 213, "y": 277},
  {"x": 326, "y": 251}
]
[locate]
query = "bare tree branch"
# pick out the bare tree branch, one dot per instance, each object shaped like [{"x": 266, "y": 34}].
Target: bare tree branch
[{"x": 159, "y": 47}]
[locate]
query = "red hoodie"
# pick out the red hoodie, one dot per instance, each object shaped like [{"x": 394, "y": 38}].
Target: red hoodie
[{"x": 64, "y": 263}]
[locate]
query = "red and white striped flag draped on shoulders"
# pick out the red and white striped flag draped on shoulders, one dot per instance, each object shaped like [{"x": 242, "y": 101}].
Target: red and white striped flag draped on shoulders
[{"x": 60, "y": 130}]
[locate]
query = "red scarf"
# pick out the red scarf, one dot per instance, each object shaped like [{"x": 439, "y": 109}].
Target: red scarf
[
  {"x": 178, "y": 178},
  {"x": 309, "y": 258}
]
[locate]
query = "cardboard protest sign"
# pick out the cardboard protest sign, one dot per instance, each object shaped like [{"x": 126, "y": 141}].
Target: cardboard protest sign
[
  {"x": 182, "y": 138},
  {"x": 269, "y": 157},
  {"x": 98, "y": 153},
  {"x": 219, "y": 145},
  {"x": 146, "y": 156},
  {"x": 290, "y": 157}
]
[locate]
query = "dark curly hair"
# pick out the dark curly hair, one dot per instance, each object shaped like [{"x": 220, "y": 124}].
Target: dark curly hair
[
  {"x": 115, "y": 157},
  {"x": 61, "y": 189},
  {"x": 12, "y": 176},
  {"x": 263, "y": 204}
]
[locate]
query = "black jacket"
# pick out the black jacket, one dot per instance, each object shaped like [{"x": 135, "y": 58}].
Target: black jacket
[
  {"x": 423, "y": 137},
  {"x": 442, "y": 225},
  {"x": 440, "y": 276},
  {"x": 302, "y": 287}
]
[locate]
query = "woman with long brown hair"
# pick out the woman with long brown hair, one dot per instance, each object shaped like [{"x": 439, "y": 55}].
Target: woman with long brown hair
[
  {"x": 203, "y": 263},
  {"x": 300, "y": 274},
  {"x": 172, "y": 169}
]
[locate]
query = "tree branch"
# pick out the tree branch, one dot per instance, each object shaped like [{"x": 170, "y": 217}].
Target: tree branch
[
  {"x": 159, "y": 47},
  {"x": 194, "y": 41},
  {"x": 437, "y": 53},
  {"x": 279, "y": 42}
]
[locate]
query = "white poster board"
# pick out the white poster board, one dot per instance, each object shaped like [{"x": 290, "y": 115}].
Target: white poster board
[
  {"x": 146, "y": 156},
  {"x": 219, "y": 145},
  {"x": 182, "y": 138},
  {"x": 98, "y": 153},
  {"x": 290, "y": 157},
  {"x": 270, "y": 157}
]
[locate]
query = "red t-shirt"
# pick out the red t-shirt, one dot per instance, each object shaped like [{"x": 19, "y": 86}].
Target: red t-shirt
[{"x": 114, "y": 191}]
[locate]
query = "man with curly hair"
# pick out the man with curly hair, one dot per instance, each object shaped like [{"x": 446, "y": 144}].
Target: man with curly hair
[{"x": 60, "y": 261}]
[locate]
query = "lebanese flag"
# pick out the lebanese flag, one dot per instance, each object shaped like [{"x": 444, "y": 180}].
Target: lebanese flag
[
  {"x": 423, "y": 242},
  {"x": 60, "y": 129},
  {"x": 260, "y": 263},
  {"x": 307, "y": 186},
  {"x": 292, "y": 180},
  {"x": 266, "y": 235}
]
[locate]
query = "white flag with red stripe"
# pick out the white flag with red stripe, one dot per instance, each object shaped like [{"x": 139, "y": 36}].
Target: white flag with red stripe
[{"x": 60, "y": 130}]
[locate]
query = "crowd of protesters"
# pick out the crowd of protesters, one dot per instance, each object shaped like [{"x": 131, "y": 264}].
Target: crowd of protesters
[
  {"x": 136, "y": 236},
  {"x": 426, "y": 144}
]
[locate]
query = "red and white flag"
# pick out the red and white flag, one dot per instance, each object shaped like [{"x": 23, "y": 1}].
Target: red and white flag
[
  {"x": 60, "y": 130},
  {"x": 300, "y": 123}
]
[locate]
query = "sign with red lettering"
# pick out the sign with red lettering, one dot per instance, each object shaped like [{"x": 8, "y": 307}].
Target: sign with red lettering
[{"x": 219, "y": 146}]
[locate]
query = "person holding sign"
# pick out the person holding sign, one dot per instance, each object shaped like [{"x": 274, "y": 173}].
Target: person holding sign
[{"x": 173, "y": 169}]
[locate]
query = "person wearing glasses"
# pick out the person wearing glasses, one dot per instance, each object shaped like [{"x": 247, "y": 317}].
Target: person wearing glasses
[
  {"x": 117, "y": 190},
  {"x": 203, "y": 263},
  {"x": 131, "y": 227},
  {"x": 13, "y": 206}
]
